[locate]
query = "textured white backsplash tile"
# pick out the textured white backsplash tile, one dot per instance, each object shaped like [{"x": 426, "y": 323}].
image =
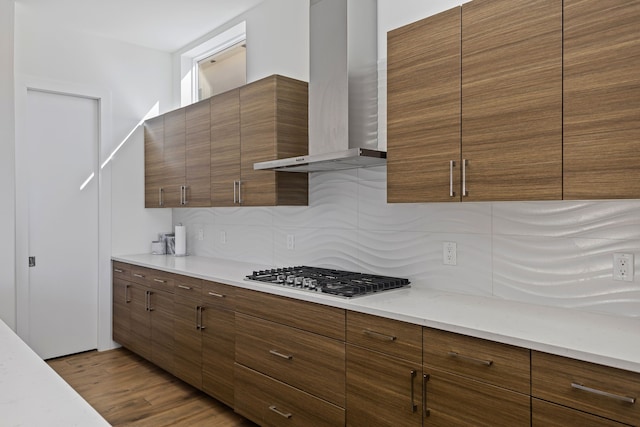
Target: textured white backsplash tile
[{"x": 550, "y": 253}]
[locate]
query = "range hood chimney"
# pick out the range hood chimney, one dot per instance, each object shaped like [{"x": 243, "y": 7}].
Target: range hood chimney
[{"x": 343, "y": 89}]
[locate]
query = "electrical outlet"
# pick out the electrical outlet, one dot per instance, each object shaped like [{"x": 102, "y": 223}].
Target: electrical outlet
[
  {"x": 223, "y": 237},
  {"x": 623, "y": 267},
  {"x": 291, "y": 242},
  {"x": 449, "y": 253},
  {"x": 200, "y": 234}
]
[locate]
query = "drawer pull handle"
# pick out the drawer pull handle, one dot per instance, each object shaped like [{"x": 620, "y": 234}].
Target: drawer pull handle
[
  {"x": 159, "y": 280},
  {"x": 378, "y": 335},
  {"x": 213, "y": 294},
  {"x": 184, "y": 287},
  {"x": 138, "y": 275},
  {"x": 284, "y": 356},
  {"x": 414, "y": 407},
  {"x": 471, "y": 359},
  {"x": 274, "y": 408},
  {"x": 117, "y": 270},
  {"x": 603, "y": 393},
  {"x": 425, "y": 409}
]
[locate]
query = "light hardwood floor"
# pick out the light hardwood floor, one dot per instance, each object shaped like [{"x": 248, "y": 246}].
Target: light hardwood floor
[{"x": 129, "y": 391}]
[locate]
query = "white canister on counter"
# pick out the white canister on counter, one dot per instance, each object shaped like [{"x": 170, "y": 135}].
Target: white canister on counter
[{"x": 181, "y": 240}]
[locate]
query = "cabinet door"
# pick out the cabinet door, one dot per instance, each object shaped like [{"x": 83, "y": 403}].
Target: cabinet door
[
  {"x": 273, "y": 124},
  {"x": 423, "y": 110},
  {"x": 382, "y": 390},
  {"x": 162, "y": 342},
  {"x": 452, "y": 400},
  {"x": 121, "y": 316},
  {"x": 225, "y": 148},
  {"x": 153, "y": 161},
  {"x": 218, "y": 353},
  {"x": 512, "y": 99},
  {"x": 140, "y": 320},
  {"x": 188, "y": 341},
  {"x": 174, "y": 157},
  {"x": 546, "y": 414},
  {"x": 602, "y": 99},
  {"x": 198, "y": 155}
]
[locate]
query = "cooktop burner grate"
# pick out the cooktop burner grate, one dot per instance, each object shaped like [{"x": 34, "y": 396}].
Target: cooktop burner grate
[{"x": 334, "y": 282}]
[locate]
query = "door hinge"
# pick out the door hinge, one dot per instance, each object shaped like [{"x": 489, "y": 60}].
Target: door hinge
[{"x": 32, "y": 261}]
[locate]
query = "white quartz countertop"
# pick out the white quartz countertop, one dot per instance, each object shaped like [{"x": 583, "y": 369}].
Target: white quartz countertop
[
  {"x": 592, "y": 337},
  {"x": 33, "y": 394}
]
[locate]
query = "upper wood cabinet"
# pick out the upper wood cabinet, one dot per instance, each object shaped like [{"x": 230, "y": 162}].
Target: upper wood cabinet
[
  {"x": 225, "y": 148},
  {"x": 512, "y": 100},
  {"x": 601, "y": 99},
  {"x": 203, "y": 154},
  {"x": 475, "y": 104},
  {"x": 273, "y": 125},
  {"x": 197, "y": 192},
  {"x": 423, "y": 117}
]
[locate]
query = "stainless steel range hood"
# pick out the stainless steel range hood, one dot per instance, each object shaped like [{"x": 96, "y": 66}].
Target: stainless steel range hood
[{"x": 343, "y": 89}]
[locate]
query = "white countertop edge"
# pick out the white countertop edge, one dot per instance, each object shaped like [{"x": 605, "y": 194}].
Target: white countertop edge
[{"x": 587, "y": 336}]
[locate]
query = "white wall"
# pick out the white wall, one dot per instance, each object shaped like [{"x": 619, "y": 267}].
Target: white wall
[
  {"x": 131, "y": 81},
  {"x": 7, "y": 155},
  {"x": 549, "y": 253}
]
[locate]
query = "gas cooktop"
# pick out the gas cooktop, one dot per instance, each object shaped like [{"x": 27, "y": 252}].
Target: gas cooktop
[{"x": 340, "y": 283}]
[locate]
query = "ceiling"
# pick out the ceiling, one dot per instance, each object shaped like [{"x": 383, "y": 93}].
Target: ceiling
[{"x": 166, "y": 25}]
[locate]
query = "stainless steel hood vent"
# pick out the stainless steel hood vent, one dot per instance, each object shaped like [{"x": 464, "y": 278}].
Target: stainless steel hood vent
[{"x": 343, "y": 89}]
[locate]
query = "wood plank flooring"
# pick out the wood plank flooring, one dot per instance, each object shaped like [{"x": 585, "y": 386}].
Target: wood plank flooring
[{"x": 129, "y": 391}]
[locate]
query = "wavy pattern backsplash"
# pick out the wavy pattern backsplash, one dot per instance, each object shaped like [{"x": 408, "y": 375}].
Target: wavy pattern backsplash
[{"x": 550, "y": 253}]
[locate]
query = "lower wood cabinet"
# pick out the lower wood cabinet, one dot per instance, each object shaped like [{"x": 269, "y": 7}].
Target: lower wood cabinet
[{"x": 547, "y": 414}]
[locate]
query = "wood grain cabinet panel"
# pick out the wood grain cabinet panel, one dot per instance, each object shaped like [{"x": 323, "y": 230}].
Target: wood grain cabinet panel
[
  {"x": 453, "y": 400},
  {"x": 273, "y": 125},
  {"x": 162, "y": 341},
  {"x": 512, "y": 99},
  {"x": 604, "y": 391},
  {"x": 198, "y": 155},
  {"x": 601, "y": 99},
  {"x": 121, "y": 332},
  {"x": 173, "y": 164},
  {"x": 491, "y": 362},
  {"x": 153, "y": 161},
  {"x": 188, "y": 340},
  {"x": 218, "y": 352},
  {"x": 302, "y": 359},
  {"x": 140, "y": 318},
  {"x": 272, "y": 403},
  {"x": 225, "y": 148},
  {"x": 423, "y": 110},
  {"x": 547, "y": 414},
  {"x": 392, "y": 337}
]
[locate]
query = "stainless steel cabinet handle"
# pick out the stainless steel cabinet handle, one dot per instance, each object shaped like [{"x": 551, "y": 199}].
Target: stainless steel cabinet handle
[
  {"x": 159, "y": 280},
  {"x": 604, "y": 393},
  {"x": 149, "y": 308},
  {"x": 235, "y": 192},
  {"x": 183, "y": 195},
  {"x": 414, "y": 407},
  {"x": 199, "y": 310},
  {"x": 425, "y": 410},
  {"x": 471, "y": 359},
  {"x": 465, "y": 162},
  {"x": 184, "y": 287},
  {"x": 239, "y": 192},
  {"x": 378, "y": 335},
  {"x": 138, "y": 275},
  {"x": 117, "y": 270},
  {"x": 452, "y": 164},
  {"x": 126, "y": 294},
  {"x": 274, "y": 408},
  {"x": 160, "y": 197},
  {"x": 284, "y": 356},
  {"x": 213, "y": 294}
]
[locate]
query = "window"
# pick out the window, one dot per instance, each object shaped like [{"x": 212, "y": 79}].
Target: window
[{"x": 222, "y": 71}]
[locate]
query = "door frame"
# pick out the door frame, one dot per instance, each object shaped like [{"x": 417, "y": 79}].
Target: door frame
[{"x": 103, "y": 97}]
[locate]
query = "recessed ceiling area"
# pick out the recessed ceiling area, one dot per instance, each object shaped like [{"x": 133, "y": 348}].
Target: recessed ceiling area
[{"x": 165, "y": 25}]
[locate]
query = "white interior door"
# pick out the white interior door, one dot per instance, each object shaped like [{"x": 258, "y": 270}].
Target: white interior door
[{"x": 62, "y": 134}]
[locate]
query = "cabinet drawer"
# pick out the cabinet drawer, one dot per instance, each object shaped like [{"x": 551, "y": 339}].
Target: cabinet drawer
[
  {"x": 452, "y": 400},
  {"x": 161, "y": 280},
  {"x": 218, "y": 295},
  {"x": 269, "y": 402},
  {"x": 600, "y": 390},
  {"x": 318, "y": 318},
  {"x": 546, "y": 414},
  {"x": 305, "y": 360},
  {"x": 140, "y": 275},
  {"x": 121, "y": 270},
  {"x": 495, "y": 363},
  {"x": 392, "y": 337},
  {"x": 189, "y": 287}
]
